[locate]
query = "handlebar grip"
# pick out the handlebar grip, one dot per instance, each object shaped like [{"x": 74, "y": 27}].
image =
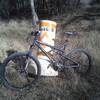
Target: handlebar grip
[{"x": 34, "y": 33}]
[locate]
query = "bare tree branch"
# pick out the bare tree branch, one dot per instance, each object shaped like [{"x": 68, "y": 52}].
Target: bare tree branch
[{"x": 35, "y": 17}]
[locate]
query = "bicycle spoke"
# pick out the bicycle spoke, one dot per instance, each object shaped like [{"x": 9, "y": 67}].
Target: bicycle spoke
[
  {"x": 21, "y": 71},
  {"x": 82, "y": 59}
]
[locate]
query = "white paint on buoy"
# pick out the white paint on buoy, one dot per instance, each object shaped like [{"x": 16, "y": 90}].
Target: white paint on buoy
[{"x": 48, "y": 30}]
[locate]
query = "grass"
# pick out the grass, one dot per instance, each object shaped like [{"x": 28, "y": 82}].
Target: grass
[{"x": 13, "y": 36}]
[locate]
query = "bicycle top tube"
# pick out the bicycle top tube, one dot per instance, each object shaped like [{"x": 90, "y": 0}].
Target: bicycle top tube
[{"x": 39, "y": 43}]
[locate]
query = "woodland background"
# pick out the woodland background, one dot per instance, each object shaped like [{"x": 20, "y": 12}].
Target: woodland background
[{"x": 83, "y": 16}]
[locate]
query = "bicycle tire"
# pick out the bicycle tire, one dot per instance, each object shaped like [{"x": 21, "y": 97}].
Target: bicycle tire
[
  {"x": 89, "y": 59},
  {"x": 12, "y": 58}
]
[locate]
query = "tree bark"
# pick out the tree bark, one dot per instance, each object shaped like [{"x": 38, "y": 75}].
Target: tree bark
[{"x": 34, "y": 14}]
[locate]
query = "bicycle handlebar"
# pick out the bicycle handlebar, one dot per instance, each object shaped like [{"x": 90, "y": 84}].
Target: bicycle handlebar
[{"x": 35, "y": 33}]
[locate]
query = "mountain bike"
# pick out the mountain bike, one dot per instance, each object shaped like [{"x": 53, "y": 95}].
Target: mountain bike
[{"x": 21, "y": 70}]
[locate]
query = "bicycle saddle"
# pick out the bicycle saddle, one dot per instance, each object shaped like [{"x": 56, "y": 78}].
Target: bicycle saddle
[{"x": 71, "y": 34}]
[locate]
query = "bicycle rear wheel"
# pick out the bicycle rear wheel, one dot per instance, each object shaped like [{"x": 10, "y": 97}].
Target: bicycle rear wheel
[
  {"x": 20, "y": 71},
  {"x": 82, "y": 58}
]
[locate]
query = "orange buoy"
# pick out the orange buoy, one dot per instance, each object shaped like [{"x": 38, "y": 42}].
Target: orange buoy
[{"x": 48, "y": 30}]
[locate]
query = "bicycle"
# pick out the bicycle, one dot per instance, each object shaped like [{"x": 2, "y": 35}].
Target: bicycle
[{"x": 21, "y": 70}]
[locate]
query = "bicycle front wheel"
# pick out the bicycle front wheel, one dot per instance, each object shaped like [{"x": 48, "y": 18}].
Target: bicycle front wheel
[
  {"x": 20, "y": 71},
  {"x": 82, "y": 59}
]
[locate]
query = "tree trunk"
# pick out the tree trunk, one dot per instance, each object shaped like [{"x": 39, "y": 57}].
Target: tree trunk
[{"x": 35, "y": 17}]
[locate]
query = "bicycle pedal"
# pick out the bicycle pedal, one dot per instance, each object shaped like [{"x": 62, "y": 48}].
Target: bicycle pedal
[{"x": 60, "y": 69}]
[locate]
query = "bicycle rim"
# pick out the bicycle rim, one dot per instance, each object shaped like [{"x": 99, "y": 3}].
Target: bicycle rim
[
  {"x": 82, "y": 58},
  {"x": 21, "y": 72}
]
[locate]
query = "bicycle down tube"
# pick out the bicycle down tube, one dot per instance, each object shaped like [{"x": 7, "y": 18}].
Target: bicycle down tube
[{"x": 37, "y": 43}]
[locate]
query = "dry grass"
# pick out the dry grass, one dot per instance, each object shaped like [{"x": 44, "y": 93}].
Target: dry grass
[
  {"x": 13, "y": 36},
  {"x": 50, "y": 89}
]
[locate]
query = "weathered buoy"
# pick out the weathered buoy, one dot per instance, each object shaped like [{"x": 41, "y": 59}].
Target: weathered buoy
[{"x": 48, "y": 30}]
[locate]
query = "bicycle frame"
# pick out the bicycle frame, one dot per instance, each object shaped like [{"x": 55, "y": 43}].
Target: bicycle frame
[
  {"x": 59, "y": 51},
  {"x": 23, "y": 62}
]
